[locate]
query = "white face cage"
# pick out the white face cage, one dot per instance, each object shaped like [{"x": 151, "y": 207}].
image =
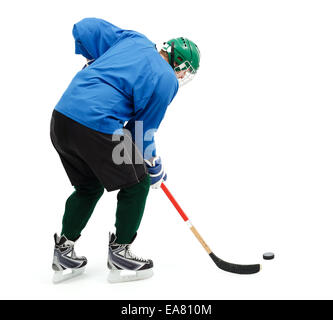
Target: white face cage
[{"x": 185, "y": 73}]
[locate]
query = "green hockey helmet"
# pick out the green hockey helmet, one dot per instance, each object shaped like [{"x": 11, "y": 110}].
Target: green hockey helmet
[{"x": 184, "y": 58}]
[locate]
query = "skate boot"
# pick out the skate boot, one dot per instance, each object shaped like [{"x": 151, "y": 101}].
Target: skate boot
[
  {"x": 124, "y": 265},
  {"x": 65, "y": 262}
]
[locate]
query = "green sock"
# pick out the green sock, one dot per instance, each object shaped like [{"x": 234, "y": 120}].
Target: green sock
[
  {"x": 79, "y": 208},
  {"x": 130, "y": 208}
]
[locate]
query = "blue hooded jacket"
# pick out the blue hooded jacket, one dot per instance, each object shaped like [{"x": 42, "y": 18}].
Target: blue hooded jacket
[{"x": 128, "y": 81}]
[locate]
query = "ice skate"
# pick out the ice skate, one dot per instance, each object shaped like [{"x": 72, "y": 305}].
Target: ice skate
[
  {"x": 124, "y": 265},
  {"x": 65, "y": 262}
]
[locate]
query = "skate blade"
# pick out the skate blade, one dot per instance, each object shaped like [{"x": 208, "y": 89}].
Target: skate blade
[
  {"x": 116, "y": 276},
  {"x": 61, "y": 276}
]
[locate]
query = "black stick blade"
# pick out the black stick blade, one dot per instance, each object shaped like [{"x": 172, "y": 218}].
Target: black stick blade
[{"x": 235, "y": 268}]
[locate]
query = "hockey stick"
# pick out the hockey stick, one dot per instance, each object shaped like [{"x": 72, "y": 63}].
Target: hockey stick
[{"x": 226, "y": 266}]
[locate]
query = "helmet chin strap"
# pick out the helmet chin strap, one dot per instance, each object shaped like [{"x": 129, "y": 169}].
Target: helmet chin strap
[{"x": 172, "y": 58}]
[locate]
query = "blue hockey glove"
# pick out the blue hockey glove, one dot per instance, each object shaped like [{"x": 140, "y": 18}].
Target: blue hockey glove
[{"x": 156, "y": 172}]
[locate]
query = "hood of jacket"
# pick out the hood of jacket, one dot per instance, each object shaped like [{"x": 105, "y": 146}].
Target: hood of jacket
[{"x": 93, "y": 37}]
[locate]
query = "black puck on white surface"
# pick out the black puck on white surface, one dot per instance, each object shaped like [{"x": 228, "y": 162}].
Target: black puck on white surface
[{"x": 268, "y": 256}]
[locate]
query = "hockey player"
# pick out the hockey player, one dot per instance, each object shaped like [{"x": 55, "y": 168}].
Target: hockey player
[{"x": 121, "y": 94}]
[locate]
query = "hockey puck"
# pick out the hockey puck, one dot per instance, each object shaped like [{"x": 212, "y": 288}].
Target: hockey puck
[{"x": 268, "y": 256}]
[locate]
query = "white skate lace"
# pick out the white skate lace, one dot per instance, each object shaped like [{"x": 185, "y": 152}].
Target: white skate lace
[
  {"x": 70, "y": 245},
  {"x": 133, "y": 256}
]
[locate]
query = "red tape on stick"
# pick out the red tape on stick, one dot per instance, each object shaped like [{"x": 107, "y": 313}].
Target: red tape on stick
[{"x": 174, "y": 202}]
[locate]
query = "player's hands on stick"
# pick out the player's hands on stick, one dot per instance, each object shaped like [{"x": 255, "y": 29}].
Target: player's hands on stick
[{"x": 156, "y": 172}]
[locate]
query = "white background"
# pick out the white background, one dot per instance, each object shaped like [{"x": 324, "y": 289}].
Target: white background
[{"x": 247, "y": 146}]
